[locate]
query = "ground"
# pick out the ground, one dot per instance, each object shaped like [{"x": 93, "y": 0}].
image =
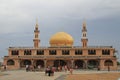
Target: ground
[
  {"x": 77, "y": 75},
  {"x": 95, "y": 76}
]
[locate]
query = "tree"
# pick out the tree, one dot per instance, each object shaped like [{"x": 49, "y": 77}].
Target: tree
[{"x": 118, "y": 63}]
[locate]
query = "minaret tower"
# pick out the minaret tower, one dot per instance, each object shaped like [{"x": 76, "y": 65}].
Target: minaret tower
[
  {"x": 36, "y": 39},
  {"x": 84, "y": 38}
]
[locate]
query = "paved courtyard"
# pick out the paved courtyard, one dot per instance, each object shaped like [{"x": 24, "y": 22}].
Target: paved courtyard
[{"x": 23, "y": 75}]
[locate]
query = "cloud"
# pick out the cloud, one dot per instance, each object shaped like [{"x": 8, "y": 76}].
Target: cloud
[
  {"x": 17, "y": 19},
  {"x": 20, "y": 15}
]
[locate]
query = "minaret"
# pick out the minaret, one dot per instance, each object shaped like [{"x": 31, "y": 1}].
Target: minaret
[
  {"x": 36, "y": 39},
  {"x": 84, "y": 38}
]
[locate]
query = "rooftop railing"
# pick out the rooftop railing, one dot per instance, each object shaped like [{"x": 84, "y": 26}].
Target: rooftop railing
[{"x": 60, "y": 47}]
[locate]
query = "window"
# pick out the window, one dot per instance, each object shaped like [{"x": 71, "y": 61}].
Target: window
[
  {"x": 52, "y": 52},
  {"x": 65, "y": 52},
  {"x": 36, "y": 36},
  {"x": 15, "y": 52},
  {"x": 27, "y": 52},
  {"x": 91, "y": 52},
  {"x": 40, "y": 52},
  {"x": 105, "y": 52},
  {"x": 78, "y": 52}
]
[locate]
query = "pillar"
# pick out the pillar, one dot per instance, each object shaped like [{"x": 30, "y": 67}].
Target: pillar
[
  {"x": 101, "y": 64},
  {"x": 85, "y": 64},
  {"x": 114, "y": 64},
  {"x": 32, "y": 62},
  {"x": 19, "y": 61},
  {"x": 45, "y": 63},
  {"x": 72, "y": 63}
]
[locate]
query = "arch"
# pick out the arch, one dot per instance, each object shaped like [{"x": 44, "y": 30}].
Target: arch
[
  {"x": 93, "y": 63},
  {"x": 10, "y": 62},
  {"x": 40, "y": 62},
  {"x": 26, "y": 62},
  {"x": 59, "y": 63},
  {"x": 108, "y": 63},
  {"x": 79, "y": 63}
]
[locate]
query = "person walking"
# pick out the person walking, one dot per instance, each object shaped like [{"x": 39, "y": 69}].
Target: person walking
[
  {"x": 71, "y": 70},
  {"x": 27, "y": 68},
  {"x": 39, "y": 67}
]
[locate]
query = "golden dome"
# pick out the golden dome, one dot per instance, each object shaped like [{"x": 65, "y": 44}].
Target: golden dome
[{"x": 61, "y": 39}]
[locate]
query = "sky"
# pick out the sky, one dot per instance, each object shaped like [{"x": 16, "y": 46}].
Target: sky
[{"x": 18, "y": 19}]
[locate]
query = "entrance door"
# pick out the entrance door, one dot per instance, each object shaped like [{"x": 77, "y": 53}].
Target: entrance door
[
  {"x": 40, "y": 62},
  {"x": 93, "y": 63},
  {"x": 59, "y": 63},
  {"x": 79, "y": 63},
  {"x": 26, "y": 62}
]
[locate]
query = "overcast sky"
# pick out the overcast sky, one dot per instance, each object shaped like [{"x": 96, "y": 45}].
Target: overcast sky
[{"x": 18, "y": 18}]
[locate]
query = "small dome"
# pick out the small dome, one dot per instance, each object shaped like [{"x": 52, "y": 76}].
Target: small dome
[{"x": 61, "y": 39}]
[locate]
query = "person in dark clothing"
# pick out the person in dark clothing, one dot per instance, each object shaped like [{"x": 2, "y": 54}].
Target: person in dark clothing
[
  {"x": 98, "y": 68},
  {"x": 49, "y": 72},
  {"x": 5, "y": 67}
]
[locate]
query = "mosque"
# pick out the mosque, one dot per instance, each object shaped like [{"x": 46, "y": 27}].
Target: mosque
[{"x": 62, "y": 52}]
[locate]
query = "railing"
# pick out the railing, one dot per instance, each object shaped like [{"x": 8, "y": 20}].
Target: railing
[
  {"x": 11, "y": 56},
  {"x": 60, "y": 57},
  {"x": 60, "y": 47}
]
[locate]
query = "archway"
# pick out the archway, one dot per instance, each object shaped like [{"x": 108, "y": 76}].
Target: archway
[
  {"x": 59, "y": 63},
  {"x": 108, "y": 63},
  {"x": 40, "y": 62},
  {"x": 93, "y": 64},
  {"x": 26, "y": 62},
  {"x": 10, "y": 62},
  {"x": 79, "y": 63}
]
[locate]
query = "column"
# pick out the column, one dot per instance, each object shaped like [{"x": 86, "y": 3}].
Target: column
[
  {"x": 17, "y": 64},
  {"x": 72, "y": 63},
  {"x": 98, "y": 65},
  {"x": 32, "y": 62},
  {"x": 19, "y": 61},
  {"x": 114, "y": 64},
  {"x": 45, "y": 61},
  {"x": 101, "y": 64},
  {"x": 85, "y": 64}
]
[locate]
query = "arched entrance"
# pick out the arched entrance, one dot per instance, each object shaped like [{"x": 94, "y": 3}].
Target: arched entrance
[
  {"x": 10, "y": 62},
  {"x": 26, "y": 62},
  {"x": 93, "y": 64},
  {"x": 59, "y": 63},
  {"x": 40, "y": 62},
  {"x": 108, "y": 63},
  {"x": 79, "y": 63}
]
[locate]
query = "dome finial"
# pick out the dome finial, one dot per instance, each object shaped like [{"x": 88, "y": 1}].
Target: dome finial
[
  {"x": 84, "y": 23},
  {"x": 36, "y": 23},
  {"x": 36, "y": 20}
]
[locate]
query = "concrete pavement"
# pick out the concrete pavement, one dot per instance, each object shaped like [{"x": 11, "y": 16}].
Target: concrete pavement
[{"x": 23, "y": 75}]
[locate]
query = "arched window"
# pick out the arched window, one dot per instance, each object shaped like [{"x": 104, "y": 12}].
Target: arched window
[
  {"x": 27, "y": 52},
  {"x": 52, "y": 52},
  {"x": 65, "y": 52},
  {"x": 10, "y": 62},
  {"x": 15, "y": 52},
  {"x": 108, "y": 63},
  {"x": 91, "y": 52},
  {"x": 40, "y": 52},
  {"x": 105, "y": 52},
  {"x": 78, "y": 52}
]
